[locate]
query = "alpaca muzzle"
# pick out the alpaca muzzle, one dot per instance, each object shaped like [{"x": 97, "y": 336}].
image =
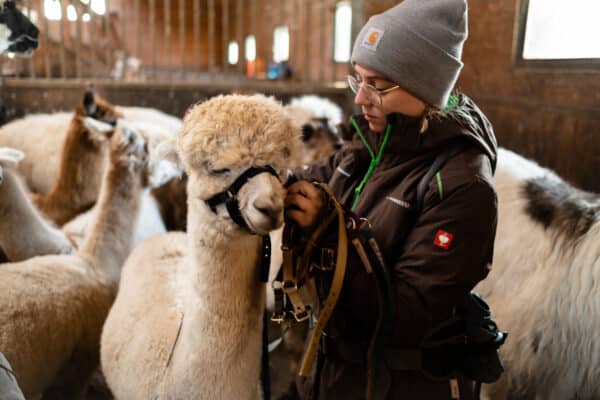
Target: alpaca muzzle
[{"x": 229, "y": 196}]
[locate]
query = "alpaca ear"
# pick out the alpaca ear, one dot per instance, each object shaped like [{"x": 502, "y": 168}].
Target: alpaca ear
[
  {"x": 89, "y": 102},
  {"x": 166, "y": 150},
  {"x": 99, "y": 131},
  {"x": 162, "y": 172},
  {"x": 10, "y": 157}
]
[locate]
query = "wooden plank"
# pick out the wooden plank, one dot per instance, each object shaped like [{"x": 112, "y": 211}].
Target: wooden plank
[
  {"x": 138, "y": 30},
  {"x": 46, "y": 42},
  {"x": 152, "y": 18},
  {"x": 253, "y": 28},
  {"x": 211, "y": 34},
  {"x": 61, "y": 40},
  {"x": 323, "y": 59},
  {"x": 240, "y": 35},
  {"x": 78, "y": 69},
  {"x": 225, "y": 35},
  {"x": 182, "y": 36},
  {"x": 31, "y": 59},
  {"x": 307, "y": 61},
  {"x": 93, "y": 41},
  {"x": 197, "y": 19},
  {"x": 167, "y": 36},
  {"x": 107, "y": 42}
]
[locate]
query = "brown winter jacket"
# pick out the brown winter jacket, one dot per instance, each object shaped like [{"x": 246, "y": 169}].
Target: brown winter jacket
[{"x": 429, "y": 280}]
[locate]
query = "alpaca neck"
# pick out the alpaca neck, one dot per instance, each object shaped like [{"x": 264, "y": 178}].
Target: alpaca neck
[
  {"x": 223, "y": 305},
  {"x": 109, "y": 240},
  {"x": 74, "y": 190},
  {"x": 20, "y": 219},
  {"x": 223, "y": 264},
  {"x": 221, "y": 273}
]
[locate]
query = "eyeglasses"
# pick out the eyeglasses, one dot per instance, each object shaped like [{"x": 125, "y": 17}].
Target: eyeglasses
[{"x": 372, "y": 94}]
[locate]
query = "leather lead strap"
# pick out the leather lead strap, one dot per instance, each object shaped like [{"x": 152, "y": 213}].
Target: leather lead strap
[{"x": 334, "y": 291}]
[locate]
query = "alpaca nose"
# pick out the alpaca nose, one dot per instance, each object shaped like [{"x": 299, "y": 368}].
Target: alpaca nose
[{"x": 271, "y": 209}]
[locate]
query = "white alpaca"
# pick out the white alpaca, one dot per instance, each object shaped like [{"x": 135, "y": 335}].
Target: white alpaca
[
  {"x": 544, "y": 287},
  {"x": 52, "y": 308},
  {"x": 24, "y": 233},
  {"x": 321, "y": 122},
  {"x": 167, "y": 123},
  {"x": 187, "y": 320}
]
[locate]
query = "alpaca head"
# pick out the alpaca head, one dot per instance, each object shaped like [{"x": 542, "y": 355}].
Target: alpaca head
[
  {"x": 321, "y": 124},
  {"x": 92, "y": 125},
  {"x": 94, "y": 106},
  {"x": 17, "y": 33},
  {"x": 226, "y": 136},
  {"x": 128, "y": 152}
]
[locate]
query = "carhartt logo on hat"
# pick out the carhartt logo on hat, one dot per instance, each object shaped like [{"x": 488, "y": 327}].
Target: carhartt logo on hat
[{"x": 372, "y": 39}]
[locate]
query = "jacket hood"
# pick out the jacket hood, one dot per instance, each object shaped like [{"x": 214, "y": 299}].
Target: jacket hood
[{"x": 462, "y": 122}]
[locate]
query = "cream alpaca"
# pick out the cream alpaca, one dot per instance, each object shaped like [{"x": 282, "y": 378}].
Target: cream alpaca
[
  {"x": 187, "y": 321},
  {"x": 545, "y": 283},
  {"x": 52, "y": 308},
  {"x": 24, "y": 233}
]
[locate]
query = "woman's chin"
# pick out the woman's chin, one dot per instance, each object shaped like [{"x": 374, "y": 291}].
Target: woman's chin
[{"x": 375, "y": 126}]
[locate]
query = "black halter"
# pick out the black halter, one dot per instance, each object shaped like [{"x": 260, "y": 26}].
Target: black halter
[{"x": 229, "y": 196}]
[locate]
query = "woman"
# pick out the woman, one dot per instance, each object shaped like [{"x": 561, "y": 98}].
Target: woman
[{"x": 406, "y": 63}]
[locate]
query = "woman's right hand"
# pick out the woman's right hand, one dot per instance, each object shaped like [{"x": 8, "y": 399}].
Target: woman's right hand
[{"x": 303, "y": 203}]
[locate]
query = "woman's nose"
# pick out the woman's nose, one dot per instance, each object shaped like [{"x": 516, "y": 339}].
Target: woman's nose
[{"x": 361, "y": 97}]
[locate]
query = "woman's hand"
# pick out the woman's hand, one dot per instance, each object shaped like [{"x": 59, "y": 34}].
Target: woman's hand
[{"x": 303, "y": 203}]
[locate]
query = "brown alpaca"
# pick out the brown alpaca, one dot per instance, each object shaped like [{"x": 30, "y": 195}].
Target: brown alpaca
[
  {"x": 52, "y": 308},
  {"x": 82, "y": 163}
]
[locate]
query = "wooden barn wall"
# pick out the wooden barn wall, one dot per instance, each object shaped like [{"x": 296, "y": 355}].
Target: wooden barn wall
[
  {"x": 20, "y": 98},
  {"x": 550, "y": 116}
]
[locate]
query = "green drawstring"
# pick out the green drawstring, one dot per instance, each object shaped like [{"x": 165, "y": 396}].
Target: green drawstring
[{"x": 374, "y": 160}]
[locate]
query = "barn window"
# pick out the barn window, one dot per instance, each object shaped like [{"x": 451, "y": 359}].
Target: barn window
[
  {"x": 52, "y": 10},
  {"x": 342, "y": 32},
  {"x": 233, "y": 53},
  {"x": 71, "y": 13},
  {"x": 559, "y": 32},
  {"x": 281, "y": 44},
  {"x": 250, "y": 46}
]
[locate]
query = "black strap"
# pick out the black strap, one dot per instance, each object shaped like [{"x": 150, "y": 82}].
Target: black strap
[
  {"x": 229, "y": 196},
  {"x": 265, "y": 378},
  {"x": 437, "y": 165}
]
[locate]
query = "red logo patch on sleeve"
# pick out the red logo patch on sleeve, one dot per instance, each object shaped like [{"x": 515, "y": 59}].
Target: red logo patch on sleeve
[{"x": 443, "y": 239}]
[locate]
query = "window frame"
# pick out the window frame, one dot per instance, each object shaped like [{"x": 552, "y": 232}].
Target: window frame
[
  {"x": 279, "y": 28},
  {"x": 574, "y": 65},
  {"x": 333, "y": 33}
]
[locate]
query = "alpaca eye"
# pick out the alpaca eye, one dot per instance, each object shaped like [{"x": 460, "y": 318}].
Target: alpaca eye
[{"x": 220, "y": 171}]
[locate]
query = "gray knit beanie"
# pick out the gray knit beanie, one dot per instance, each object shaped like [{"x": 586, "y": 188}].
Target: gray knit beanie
[{"x": 418, "y": 45}]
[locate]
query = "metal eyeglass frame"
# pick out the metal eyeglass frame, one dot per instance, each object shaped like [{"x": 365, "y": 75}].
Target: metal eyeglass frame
[{"x": 374, "y": 95}]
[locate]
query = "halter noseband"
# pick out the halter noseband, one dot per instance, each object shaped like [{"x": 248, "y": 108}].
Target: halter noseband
[{"x": 229, "y": 196}]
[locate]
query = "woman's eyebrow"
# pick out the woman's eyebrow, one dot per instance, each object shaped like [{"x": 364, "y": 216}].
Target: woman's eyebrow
[{"x": 370, "y": 76}]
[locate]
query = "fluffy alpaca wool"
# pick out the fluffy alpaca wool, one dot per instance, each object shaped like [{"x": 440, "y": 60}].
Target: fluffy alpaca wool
[
  {"x": 187, "y": 320},
  {"x": 543, "y": 288}
]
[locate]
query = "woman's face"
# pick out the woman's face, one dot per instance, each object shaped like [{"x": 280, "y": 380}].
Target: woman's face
[{"x": 397, "y": 100}]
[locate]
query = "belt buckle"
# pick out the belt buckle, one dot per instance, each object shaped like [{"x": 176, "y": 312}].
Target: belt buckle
[{"x": 303, "y": 315}]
